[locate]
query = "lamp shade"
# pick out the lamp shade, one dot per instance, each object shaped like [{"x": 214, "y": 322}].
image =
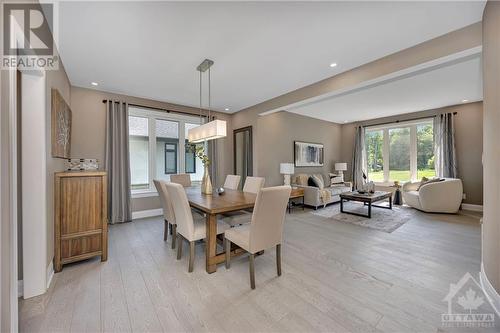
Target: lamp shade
[
  {"x": 210, "y": 131},
  {"x": 287, "y": 168},
  {"x": 340, "y": 166}
]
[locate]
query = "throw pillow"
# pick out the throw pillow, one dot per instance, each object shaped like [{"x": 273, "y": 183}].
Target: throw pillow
[
  {"x": 317, "y": 181},
  {"x": 301, "y": 179},
  {"x": 425, "y": 181}
]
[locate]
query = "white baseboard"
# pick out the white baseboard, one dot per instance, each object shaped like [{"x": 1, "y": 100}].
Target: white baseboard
[
  {"x": 20, "y": 288},
  {"x": 490, "y": 292},
  {"x": 147, "y": 213},
  {"x": 471, "y": 207},
  {"x": 50, "y": 273}
]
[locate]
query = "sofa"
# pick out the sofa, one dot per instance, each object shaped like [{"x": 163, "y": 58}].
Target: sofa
[
  {"x": 437, "y": 197},
  {"x": 312, "y": 193}
]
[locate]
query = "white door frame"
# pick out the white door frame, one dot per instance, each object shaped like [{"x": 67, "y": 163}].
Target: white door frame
[
  {"x": 34, "y": 183},
  {"x": 8, "y": 229}
]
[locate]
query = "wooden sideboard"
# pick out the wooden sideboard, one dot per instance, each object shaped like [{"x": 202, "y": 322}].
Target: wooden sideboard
[{"x": 81, "y": 227}]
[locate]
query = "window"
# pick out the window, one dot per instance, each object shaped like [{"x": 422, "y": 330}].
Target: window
[
  {"x": 157, "y": 141},
  {"x": 400, "y": 152},
  {"x": 425, "y": 151},
  {"x": 194, "y": 166},
  {"x": 139, "y": 152},
  {"x": 167, "y": 148}
]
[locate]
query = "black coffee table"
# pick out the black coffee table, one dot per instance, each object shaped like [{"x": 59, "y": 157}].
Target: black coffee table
[{"x": 368, "y": 199}]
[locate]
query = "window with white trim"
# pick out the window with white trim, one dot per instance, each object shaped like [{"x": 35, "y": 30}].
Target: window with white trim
[
  {"x": 159, "y": 147},
  {"x": 402, "y": 151}
]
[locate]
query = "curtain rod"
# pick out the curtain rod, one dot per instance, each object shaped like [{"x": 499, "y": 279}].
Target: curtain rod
[
  {"x": 405, "y": 120},
  {"x": 159, "y": 109}
]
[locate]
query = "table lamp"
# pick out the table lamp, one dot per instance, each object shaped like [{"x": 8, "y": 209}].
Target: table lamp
[
  {"x": 286, "y": 169},
  {"x": 340, "y": 168}
]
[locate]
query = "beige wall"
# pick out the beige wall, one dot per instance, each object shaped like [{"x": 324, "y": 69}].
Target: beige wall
[
  {"x": 89, "y": 130},
  {"x": 469, "y": 143},
  {"x": 274, "y": 143},
  {"x": 491, "y": 86}
]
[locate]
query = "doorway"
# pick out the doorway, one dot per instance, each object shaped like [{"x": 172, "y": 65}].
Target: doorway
[{"x": 243, "y": 153}]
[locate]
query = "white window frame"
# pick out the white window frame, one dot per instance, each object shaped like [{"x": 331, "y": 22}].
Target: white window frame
[
  {"x": 412, "y": 124},
  {"x": 152, "y": 116}
]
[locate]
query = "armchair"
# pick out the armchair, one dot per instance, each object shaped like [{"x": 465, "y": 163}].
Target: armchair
[{"x": 438, "y": 197}]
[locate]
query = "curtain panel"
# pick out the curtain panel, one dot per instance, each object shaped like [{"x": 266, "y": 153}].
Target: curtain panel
[
  {"x": 118, "y": 162},
  {"x": 358, "y": 160},
  {"x": 445, "y": 158}
]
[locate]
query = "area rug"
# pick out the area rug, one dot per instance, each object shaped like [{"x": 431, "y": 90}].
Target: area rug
[{"x": 382, "y": 219}]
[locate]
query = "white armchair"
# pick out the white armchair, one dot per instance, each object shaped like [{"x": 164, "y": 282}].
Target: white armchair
[{"x": 437, "y": 197}]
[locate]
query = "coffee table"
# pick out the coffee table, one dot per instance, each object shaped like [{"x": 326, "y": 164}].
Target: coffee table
[{"x": 368, "y": 199}]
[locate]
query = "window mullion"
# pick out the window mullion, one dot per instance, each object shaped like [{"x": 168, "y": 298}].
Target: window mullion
[
  {"x": 182, "y": 147},
  {"x": 385, "y": 155},
  {"x": 152, "y": 151},
  {"x": 413, "y": 152}
]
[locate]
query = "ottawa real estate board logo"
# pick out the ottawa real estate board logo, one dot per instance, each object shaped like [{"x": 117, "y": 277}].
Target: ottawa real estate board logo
[
  {"x": 28, "y": 36},
  {"x": 468, "y": 306}
]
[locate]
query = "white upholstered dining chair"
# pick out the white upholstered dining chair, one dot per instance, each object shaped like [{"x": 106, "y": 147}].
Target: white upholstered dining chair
[
  {"x": 182, "y": 178},
  {"x": 232, "y": 182},
  {"x": 253, "y": 184},
  {"x": 168, "y": 213},
  {"x": 189, "y": 226},
  {"x": 265, "y": 229}
]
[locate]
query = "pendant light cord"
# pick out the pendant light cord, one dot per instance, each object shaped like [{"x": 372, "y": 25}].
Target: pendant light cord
[
  {"x": 209, "y": 95},
  {"x": 200, "y": 97}
]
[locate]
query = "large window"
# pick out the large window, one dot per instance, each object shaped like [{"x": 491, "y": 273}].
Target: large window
[
  {"x": 401, "y": 152},
  {"x": 159, "y": 147}
]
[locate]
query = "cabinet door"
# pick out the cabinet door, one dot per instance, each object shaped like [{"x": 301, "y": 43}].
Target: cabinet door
[{"x": 81, "y": 204}]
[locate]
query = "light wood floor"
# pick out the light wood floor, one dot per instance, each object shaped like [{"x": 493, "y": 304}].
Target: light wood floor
[{"x": 336, "y": 277}]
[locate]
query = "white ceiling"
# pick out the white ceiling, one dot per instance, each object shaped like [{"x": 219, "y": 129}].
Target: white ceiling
[
  {"x": 442, "y": 86},
  {"x": 261, "y": 50}
]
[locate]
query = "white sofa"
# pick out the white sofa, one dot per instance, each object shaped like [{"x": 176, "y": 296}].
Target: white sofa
[
  {"x": 437, "y": 197},
  {"x": 312, "y": 196}
]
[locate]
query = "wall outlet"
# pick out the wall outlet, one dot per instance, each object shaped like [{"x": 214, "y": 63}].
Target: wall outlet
[{"x": 464, "y": 196}]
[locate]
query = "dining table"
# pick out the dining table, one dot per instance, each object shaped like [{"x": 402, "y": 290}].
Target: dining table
[{"x": 212, "y": 205}]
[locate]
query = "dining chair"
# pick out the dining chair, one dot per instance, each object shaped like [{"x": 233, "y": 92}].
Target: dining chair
[
  {"x": 253, "y": 184},
  {"x": 168, "y": 213},
  {"x": 232, "y": 182},
  {"x": 265, "y": 229},
  {"x": 182, "y": 178},
  {"x": 189, "y": 226}
]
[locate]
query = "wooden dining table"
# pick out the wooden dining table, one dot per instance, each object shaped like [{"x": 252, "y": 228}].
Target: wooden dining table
[{"x": 212, "y": 205}]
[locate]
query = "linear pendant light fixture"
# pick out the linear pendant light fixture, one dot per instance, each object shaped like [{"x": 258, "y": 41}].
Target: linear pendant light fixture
[{"x": 214, "y": 129}]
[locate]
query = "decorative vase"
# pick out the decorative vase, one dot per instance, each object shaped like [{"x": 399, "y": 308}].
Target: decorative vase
[{"x": 206, "y": 184}]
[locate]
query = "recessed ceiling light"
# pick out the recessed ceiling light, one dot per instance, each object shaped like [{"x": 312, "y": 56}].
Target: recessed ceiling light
[
  {"x": 333, "y": 64},
  {"x": 226, "y": 109},
  {"x": 465, "y": 100},
  {"x": 94, "y": 83}
]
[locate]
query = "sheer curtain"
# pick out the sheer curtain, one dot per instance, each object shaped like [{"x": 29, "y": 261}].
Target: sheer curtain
[
  {"x": 445, "y": 158},
  {"x": 118, "y": 162},
  {"x": 358, "y": 160}
]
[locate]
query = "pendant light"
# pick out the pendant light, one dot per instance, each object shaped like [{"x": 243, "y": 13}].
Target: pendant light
[{"x": 214, "y": 129}]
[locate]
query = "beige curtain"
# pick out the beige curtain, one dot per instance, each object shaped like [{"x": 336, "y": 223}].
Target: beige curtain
[{"x": 118, "y": 163}]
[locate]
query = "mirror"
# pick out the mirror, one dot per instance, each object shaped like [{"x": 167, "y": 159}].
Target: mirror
[{"x": 242, "y": 141}]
